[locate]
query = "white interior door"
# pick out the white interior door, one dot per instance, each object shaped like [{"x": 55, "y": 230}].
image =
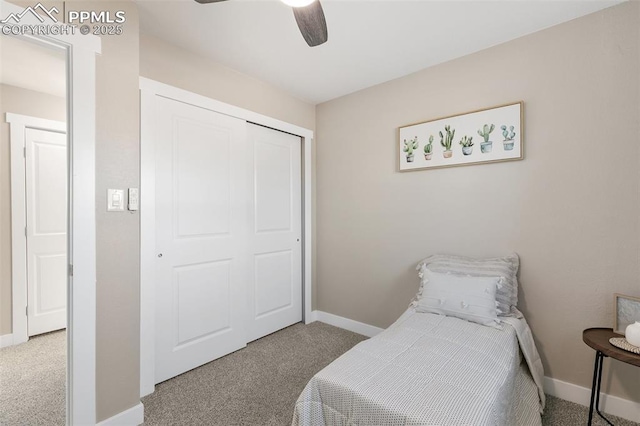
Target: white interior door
[
  {"x": 275, "y": 288},
  {"x": 201, "y": 233},
  {"x": 46, "y": 190}
]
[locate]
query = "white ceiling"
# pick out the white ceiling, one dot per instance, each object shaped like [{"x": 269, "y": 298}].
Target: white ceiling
[{"x": 370, "y": 42}]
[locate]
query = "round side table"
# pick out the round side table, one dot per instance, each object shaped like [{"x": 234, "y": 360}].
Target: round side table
[{"x": 598, "y": 339}]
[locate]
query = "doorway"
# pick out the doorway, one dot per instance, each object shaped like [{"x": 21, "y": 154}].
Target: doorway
[
  {"x": 69, "y": 220},
  {"x": 38, "y": 213},
  {"x": 46, "y": 196},
  {"x": 33, "y": 82}
]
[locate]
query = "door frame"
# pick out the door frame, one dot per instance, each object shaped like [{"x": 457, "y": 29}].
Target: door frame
[
  {"x": 81, "y": 51},
  {"x": 18, "y": 125},
  {"x": 149, "y": 89}
]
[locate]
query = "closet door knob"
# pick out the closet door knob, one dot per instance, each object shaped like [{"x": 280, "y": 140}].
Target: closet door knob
[{"x": 160, "y": 255}]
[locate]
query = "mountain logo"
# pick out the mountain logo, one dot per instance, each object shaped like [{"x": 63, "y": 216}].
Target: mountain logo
[{"x": 34, "y": 11}]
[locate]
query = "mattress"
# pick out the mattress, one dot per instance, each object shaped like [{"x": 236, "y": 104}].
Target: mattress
[{"x": 429, "y": 369}]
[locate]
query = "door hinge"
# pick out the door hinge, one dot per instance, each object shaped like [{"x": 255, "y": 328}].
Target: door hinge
[
  {"x": 26, "y": 310},
  {"x": 24, "y": 152},
  {"x": 70, "y": 270},
  {"x": 25, "y": 232}
]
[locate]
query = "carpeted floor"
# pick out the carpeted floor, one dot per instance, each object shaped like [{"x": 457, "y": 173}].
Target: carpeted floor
[
  {"x": 32, "y": 381},
  {"x": 257, "y": 385},
  {"x": 559, "y": 412}
]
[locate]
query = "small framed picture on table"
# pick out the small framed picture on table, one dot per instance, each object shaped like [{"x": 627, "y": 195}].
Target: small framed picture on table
[{"x": 626, "y": 311}]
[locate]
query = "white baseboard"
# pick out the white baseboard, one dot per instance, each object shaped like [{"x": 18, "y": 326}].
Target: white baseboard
[
  {"x": 134, "y": 416},
  {"x": 6, "y": 340},
  {"x": 568, "y": 391},
  {"x": 346, "y": 323},
  {"x": 312, "y": 317},
  {"x": 580, "y": 395}
]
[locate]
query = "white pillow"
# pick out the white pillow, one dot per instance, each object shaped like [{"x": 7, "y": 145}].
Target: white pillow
[
  {"x": 466, "y": 297},
  {"x": 506, "y": 267}
]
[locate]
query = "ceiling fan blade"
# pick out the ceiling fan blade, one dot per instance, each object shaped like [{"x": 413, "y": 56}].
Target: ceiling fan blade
[
  {"x": 209, "y": 1},
  {"x": 312, "y": 24}
]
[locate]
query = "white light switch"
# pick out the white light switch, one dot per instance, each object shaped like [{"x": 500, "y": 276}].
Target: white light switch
[
  {"x": 133, "y": 199},
  {"x": 115, "y": 200}
]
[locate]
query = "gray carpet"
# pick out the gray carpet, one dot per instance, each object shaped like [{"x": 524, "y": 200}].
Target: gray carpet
[
  {"x": 257, "y": 385},
  {"x": 32, "y": 381},
  {"x": 559, "y": 412}
]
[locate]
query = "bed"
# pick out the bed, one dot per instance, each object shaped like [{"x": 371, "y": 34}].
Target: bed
[{"x": 430, "y": 369}]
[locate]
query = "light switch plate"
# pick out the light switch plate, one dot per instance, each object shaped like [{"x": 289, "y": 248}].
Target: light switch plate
[
  {"x": 134, "y": 199},
  {"x": 115, "y": 200}
]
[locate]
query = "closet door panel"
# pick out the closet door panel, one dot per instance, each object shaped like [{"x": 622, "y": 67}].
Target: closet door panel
[
  {"x": 201, "y": 234},
  {"x": 275, "y": 289}
]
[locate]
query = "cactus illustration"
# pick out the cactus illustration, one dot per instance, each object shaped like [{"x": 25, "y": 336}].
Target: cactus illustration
[
  {"x": 428, "y": 148},
  {"x": 486, "y": 131},
  {"x": 447, "y": 141},
  {"x": 467, "y": 145},
  {"x": 486, "y": 146},
  {"x": 466, "y": 141},
  {"x": 508, "y": 134},
  {"x": 409, "y": 147}
]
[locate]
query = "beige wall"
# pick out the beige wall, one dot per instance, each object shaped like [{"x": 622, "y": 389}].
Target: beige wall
[
  {"x": 570, "y": 209},
  {"x": 26, "y": 102},
  {"x": 118, "y": 246}
]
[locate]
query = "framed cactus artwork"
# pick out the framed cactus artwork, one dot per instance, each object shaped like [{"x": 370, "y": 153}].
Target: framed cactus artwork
[
  {"x": 483, "y": 136},
  {"x": 626, "y": 311}
]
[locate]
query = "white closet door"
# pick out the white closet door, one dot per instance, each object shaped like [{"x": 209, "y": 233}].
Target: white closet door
[
  {"x": 46, "y": 179},
  {"x": 201, "y": 217},
  {"x": 275, "y": 289}
]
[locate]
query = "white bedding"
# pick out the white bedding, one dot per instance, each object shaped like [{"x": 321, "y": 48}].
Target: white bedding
[{"x": 428, "y": 369}]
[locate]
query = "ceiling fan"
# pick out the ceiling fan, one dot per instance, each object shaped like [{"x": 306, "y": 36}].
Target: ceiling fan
[{"x": 309, "y": 16}]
